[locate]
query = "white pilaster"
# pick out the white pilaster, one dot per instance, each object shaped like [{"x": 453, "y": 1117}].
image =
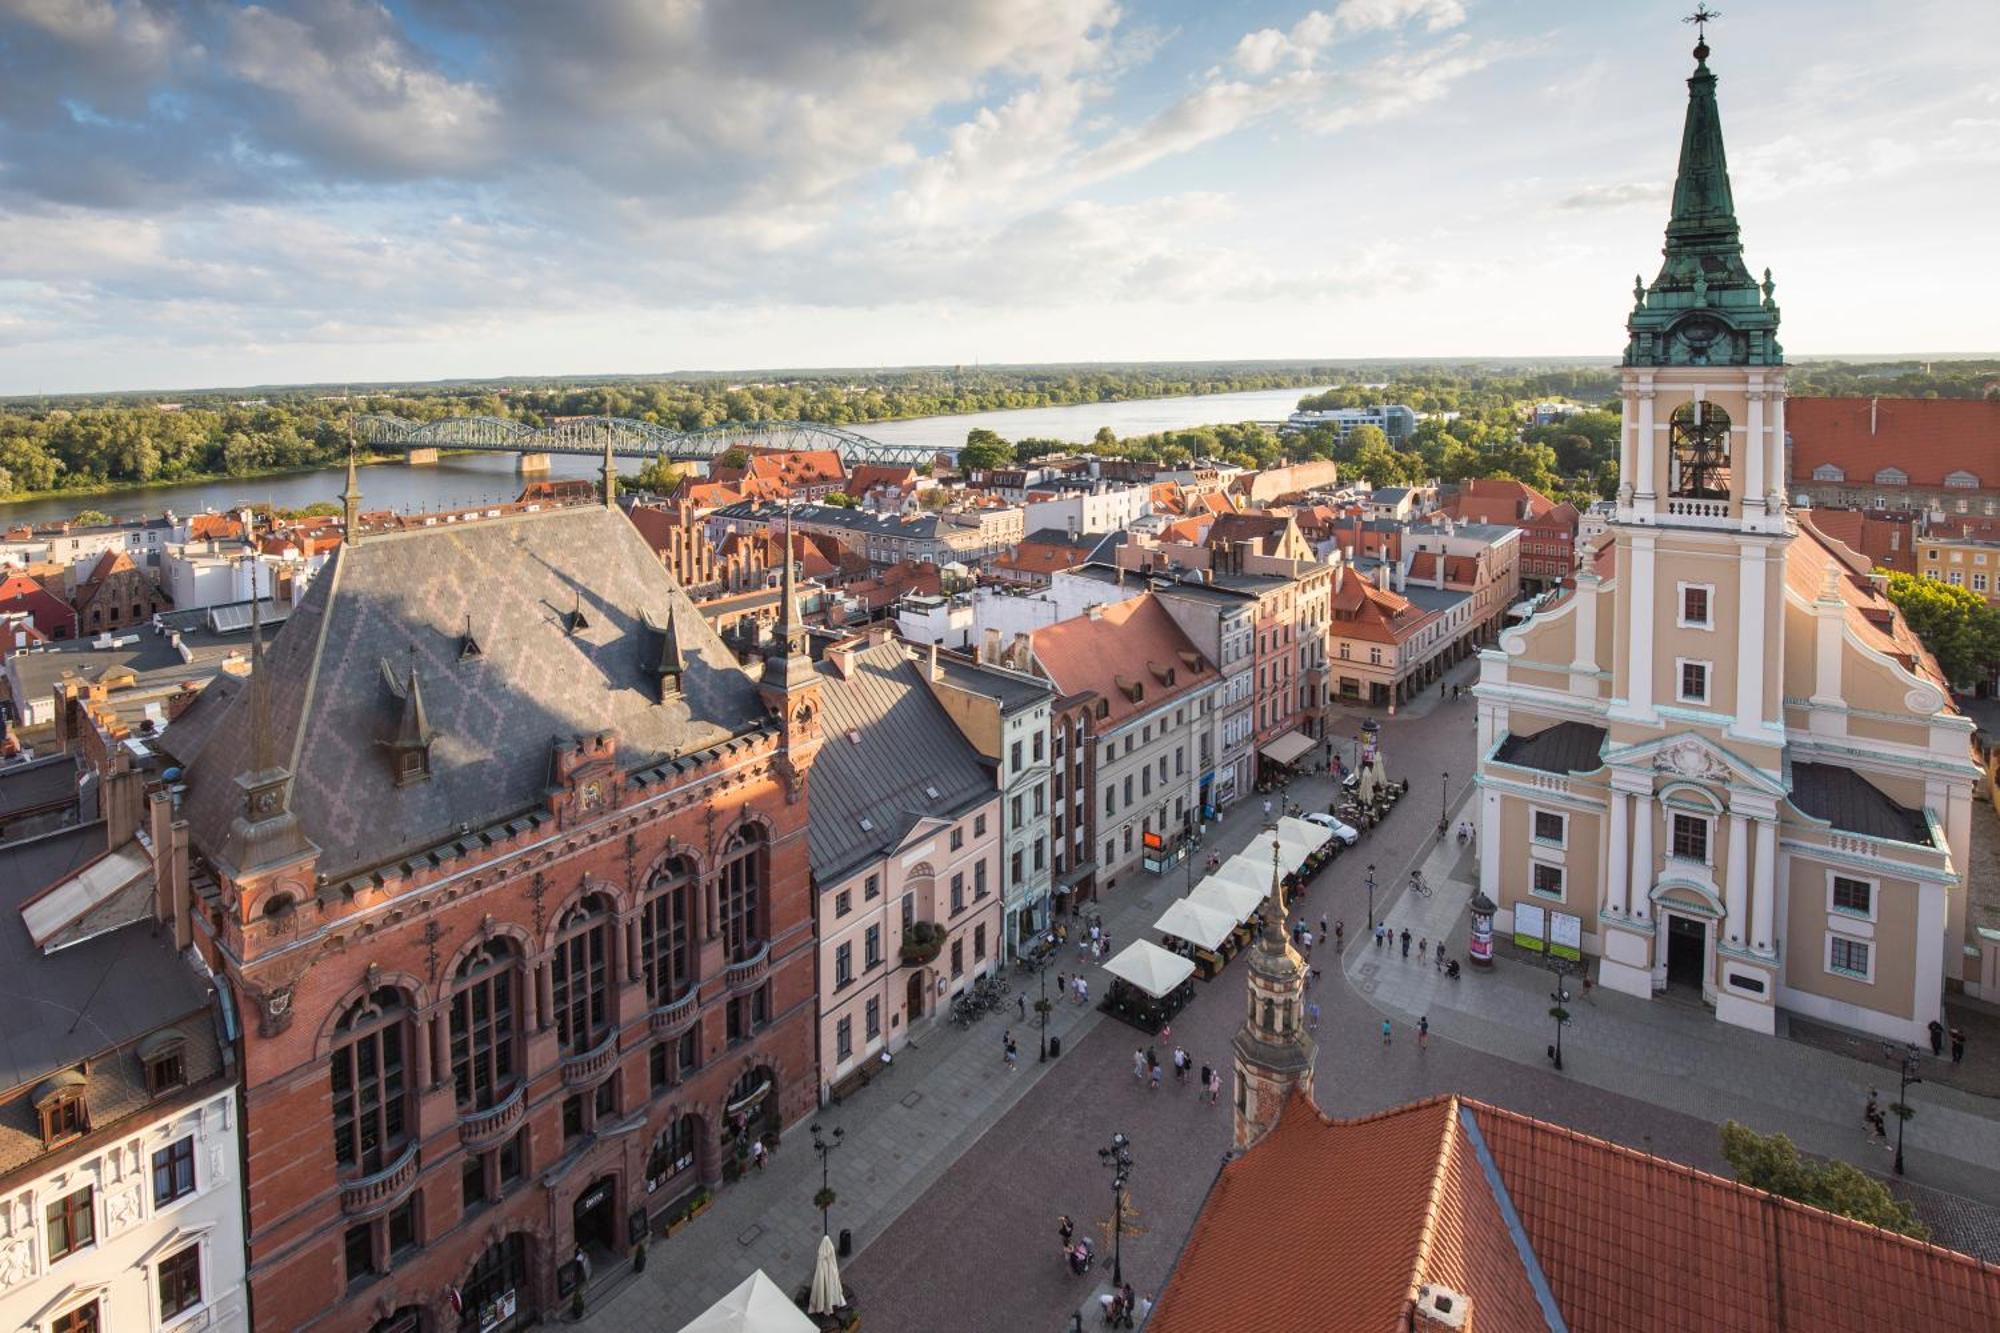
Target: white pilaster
[
  {"x": 1764, "y": 888},
  {"x": 1647, "y": 452},
  {"x": 1639, "y": 657},
  {"x": 1733, "y": 890},
  {"x": 1933, "y": 943},
  {"x": 1617, "y": 889},
  {"x": 1643, "y": 866},
  {"x": 1584, "y": 660},
  {"x": 1755, "y": 448},
  {"x": 1777, "y": 444},
  {"x": 1751, "y": 636},
  {"x": 1489, "y": 846}
]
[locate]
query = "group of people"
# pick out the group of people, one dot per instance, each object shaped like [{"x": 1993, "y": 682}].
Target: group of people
[
  {"x": 1146, "y": 1069},
  {"x": 1123, "y": 1307},
  {"x": 1466, "y": 833}
]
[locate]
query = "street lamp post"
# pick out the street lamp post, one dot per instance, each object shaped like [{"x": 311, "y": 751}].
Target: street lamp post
[
  {"x": 1907, "y": 1071},
  {"x": 1118, "y": 1156},
  {"x": 1371, "y": 897},
  {"x": 1444, "y": 794},
  {"x": 1042, "y": 1005},
  {"x": 824, "y": 1147},
  {"x": 1559, "y": 1011}
]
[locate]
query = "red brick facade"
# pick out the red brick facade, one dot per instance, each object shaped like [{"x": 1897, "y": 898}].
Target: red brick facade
[{"x": 605, "y": 835}]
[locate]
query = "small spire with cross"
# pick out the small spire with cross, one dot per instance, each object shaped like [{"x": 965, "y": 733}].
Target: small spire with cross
[{"x": 1701, "y": 18}]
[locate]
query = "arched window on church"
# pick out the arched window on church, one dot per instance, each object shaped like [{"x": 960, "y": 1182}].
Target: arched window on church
[
  {"x": 666, "y": 933},
  {"x": 371, "y": 1089},
  {"x": 1698, "y": 438}
]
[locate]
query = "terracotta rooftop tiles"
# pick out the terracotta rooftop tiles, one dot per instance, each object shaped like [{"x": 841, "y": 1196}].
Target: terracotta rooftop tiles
[
  {"x": 1330, "y": 1225},
  {"x": 1122, "y": 645},
  {"x": 1926, "y": 439}
]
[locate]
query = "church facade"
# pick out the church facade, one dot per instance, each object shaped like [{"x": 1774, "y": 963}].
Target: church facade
[{"x": 1718, "y": 759}]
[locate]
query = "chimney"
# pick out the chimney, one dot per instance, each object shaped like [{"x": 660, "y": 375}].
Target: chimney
[
  {"x": 1382, "y": 576},
  {"x": 124, "y": 805},
  {"x": 170, "y": 877},
  {"x": 1873, "y": 404},
  {"x": 932, "y": 663},
  {"x": 989, "y": 648},
  {"x": 1017, "y": 656},
  {"x": 1442, "y": 1310},
  {"x": 1095, "y": 611},
  {"x": 842, "y": 656}
]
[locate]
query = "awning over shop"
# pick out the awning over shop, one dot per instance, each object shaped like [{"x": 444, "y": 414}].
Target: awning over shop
[
  {"x": 1288, "y": 748},
  {"x": 1150, "y": 968},
  {"x": 1200, "y": 924},
  {"x": 1075, "y": 875}
]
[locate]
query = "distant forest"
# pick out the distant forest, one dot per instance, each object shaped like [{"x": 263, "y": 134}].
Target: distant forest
[{"x": 90, "y": 442}]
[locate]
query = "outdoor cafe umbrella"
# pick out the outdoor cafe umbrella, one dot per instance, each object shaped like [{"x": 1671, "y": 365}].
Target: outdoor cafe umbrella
[
  {"x": 826, "y": 1293},
  {"x": 1150, "y": 968},
  {"x": 1201, "y": 924},
  {"x": 1244, "y": 868},
  {"x": 1228, "y": 896},
  {"x": 755, "y": 1306},
  {"x": 1364, "y": 787}
]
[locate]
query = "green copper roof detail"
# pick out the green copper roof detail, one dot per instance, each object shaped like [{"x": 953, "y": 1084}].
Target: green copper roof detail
[{"x": 1704, "y": 307}]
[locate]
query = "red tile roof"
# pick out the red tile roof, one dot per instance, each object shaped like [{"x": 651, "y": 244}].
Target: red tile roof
[
  {"x": 1927, "y": 438},
  {"x": 48, "y": 612},
  {"x": 1871, "y": 616},
  {"x": 1123, "y": 648},
  {"x": 1338, "y": 1224},
  {"x": 1886, "y": 541},
  {"x": 216, "y": 527},
  {"x": 1497, "y": 500}
]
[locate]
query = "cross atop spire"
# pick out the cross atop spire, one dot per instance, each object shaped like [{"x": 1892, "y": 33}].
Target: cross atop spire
[{"x": 1701, "y": 18}]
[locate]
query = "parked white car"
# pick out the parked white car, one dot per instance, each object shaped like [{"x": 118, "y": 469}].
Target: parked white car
[{"x": 1344, "y": 832}]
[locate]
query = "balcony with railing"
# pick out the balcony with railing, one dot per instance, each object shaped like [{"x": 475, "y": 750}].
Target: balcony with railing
[
  {"x": 749, "y": 973},
  {"x": 479, "y": 1130},
  {"x": 579, "y": 1070},
  {"x": 368, "y": 1195},
  {"x": 674, "y": 1017}
]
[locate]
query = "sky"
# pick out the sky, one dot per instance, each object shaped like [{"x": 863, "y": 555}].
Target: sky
[{"x": 202, "y": 193}]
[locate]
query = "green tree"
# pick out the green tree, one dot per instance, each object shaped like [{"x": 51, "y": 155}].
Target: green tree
[
  {"x": 658, "y": 476},
  {"x": 737, "y": 457},
  {"x": 1956, "y": 624},
  {"x": 841, "y": 500},
  {"x": 983, "y": 450},
  {"x": 1106, "y": 438},
  {"x": 91, "y": 518},
  {"x": 1771, "y": 1162}
]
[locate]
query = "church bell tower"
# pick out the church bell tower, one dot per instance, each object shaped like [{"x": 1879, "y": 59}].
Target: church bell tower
[{"x": 1273, "y": 1051}]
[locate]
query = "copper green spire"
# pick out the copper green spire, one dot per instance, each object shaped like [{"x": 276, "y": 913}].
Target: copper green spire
[{"x": 1704, "y": 307}]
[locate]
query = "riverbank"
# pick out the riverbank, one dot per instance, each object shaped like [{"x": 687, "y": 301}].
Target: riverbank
[{"x": 66, "y": 493}]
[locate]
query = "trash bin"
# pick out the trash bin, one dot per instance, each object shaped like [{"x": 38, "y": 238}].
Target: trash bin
[
  {"x": 846, "y": 1242},
  {"x": 1055, "y": 1047}
]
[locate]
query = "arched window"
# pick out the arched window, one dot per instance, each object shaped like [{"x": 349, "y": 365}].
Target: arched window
[
  {"x": 370, "y": 1089},
  {"x": 581, "y": 976},
  {"x": 673, "y": 1152},
  {"x": 494, "y": 1289},
  {"x": 741, "y": 892},
  {"x": 665, "y": 937},
  {"x": 485, "y": 1025},
  {"x": 1699, "y": 440}
]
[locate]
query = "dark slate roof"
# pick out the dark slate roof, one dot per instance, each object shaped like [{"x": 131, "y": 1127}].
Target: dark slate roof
[
  {"x": 1014, "y": 690},
  {"x": 1567, "y": 747},
  {"x": 85, "y": 998},
  {"x": 32, "y": 786},
  {"x": 887, "y": 740},
  {"x": 1852, "y": 804},
  {"x": 402, "y": 598}
]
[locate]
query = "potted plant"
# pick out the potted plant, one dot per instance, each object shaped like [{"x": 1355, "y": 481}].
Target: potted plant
[
  {"x": 922, "y": 942},
  {"x": 824, "y": 1199}
]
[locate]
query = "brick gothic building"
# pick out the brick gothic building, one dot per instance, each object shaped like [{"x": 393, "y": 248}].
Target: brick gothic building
[{"x": 505, "y": 861}]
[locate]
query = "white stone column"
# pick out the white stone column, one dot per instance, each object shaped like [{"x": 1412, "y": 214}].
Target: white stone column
[
  {"x": 1618, "y": 877},
  {"x": 1643, "y": 866},
  {"x": 1734, "y": 886},
  {"x": 1752, "y": 486},
  {"x": 1777, "y": 477},
  {"x": 1489, "y": 846},
  {"x": 1647, "y": 452},
  {"x": 1584, "y": 660},
  {"x": 1628, "y": 444},
  {"x": 1751, "y": 634},
  {"x": 1764, "y": 889},
  {"x": 1639, "y": 654}
]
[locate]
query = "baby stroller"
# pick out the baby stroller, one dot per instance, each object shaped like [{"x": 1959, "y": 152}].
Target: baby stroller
[{"x": 1081, "y": 1256}]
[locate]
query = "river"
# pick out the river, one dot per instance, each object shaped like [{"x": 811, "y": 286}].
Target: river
[{"x": 461, "y": 480}]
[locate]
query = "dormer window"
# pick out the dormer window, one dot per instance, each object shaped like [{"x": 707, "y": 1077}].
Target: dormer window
[
  {"x": 62, "y": 1107},
  {"x": 1829, "y": 472},
  {"x": 1892, "y": 476},
  {"x": 1961, "y": 481},
  {"x": 164, "y": 1058}
]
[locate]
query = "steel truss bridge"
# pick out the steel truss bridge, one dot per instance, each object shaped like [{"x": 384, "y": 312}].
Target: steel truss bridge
[{"x": 633, "y": 439}]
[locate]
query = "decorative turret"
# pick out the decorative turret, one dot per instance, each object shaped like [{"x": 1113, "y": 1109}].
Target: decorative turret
[
  {"x": 410, "y": 746},
  {"x": 668, "y": 662},
  {"x": 264, "y": 839},
  {"x": 789, "y": 663},
  {"x": 1274, "y": 1052},
  {"x": 1704, "y": 308},
  {"x": 790, "y": 685}
]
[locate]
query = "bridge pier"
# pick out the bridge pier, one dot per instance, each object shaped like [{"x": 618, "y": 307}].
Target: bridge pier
[
  {"x": 526, "y": 463},
  {"x": 418, "y": 456}
]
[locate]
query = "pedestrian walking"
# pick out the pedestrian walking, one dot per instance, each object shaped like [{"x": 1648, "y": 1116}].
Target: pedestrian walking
[
  {"x": 1267, "y": 811},
  {"x": 757, "y": 1152},
  {"x": 1022, "y": 1001},
  {"x": 1312, "y": 1015},
  {"x": 1082, "y": 991},
  {"x": 1013, "y": 1056},
  {"x": 1138, "y": 1064},
  {"x": 1424, "y": 1033},
  {"x": 1937, "y": 1037},
  {"x": 1440, "y": 958},
  {"x": 1385, "y": 1032},
  {"x": 1957, "y": 1045},
  {"x": 1381, "y": 931},
  {"x": 1214, "y": 1086},
  {"x": 1871, "y": 1115},
  {"x": 1156, "y": 1076},
  {"x": 1423, "y": 948},
  {"x": 1065, "y": 1229},
  {"x": 1339, "y": 935},
  {"x": 1406, "y": 941},
  {"x": 1180, "y": 1065},
  {"x": 1309, "y": 942}
]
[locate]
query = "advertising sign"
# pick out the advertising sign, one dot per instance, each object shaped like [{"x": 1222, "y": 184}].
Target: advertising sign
[
  {"x": 1565, "y": 935},
  {"x": 1529, "y": 925}
]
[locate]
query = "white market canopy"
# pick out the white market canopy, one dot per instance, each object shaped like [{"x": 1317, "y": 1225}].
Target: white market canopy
[
  {"x": 1238, "y": 901},
  {"x": 1288, "y": 748},
  {"x": 1201, "y": 924},
  {"x": 1247, "y": 869},
  {"x": 755, "y": 1306},
  {"x": 1150, "y": 968}
]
